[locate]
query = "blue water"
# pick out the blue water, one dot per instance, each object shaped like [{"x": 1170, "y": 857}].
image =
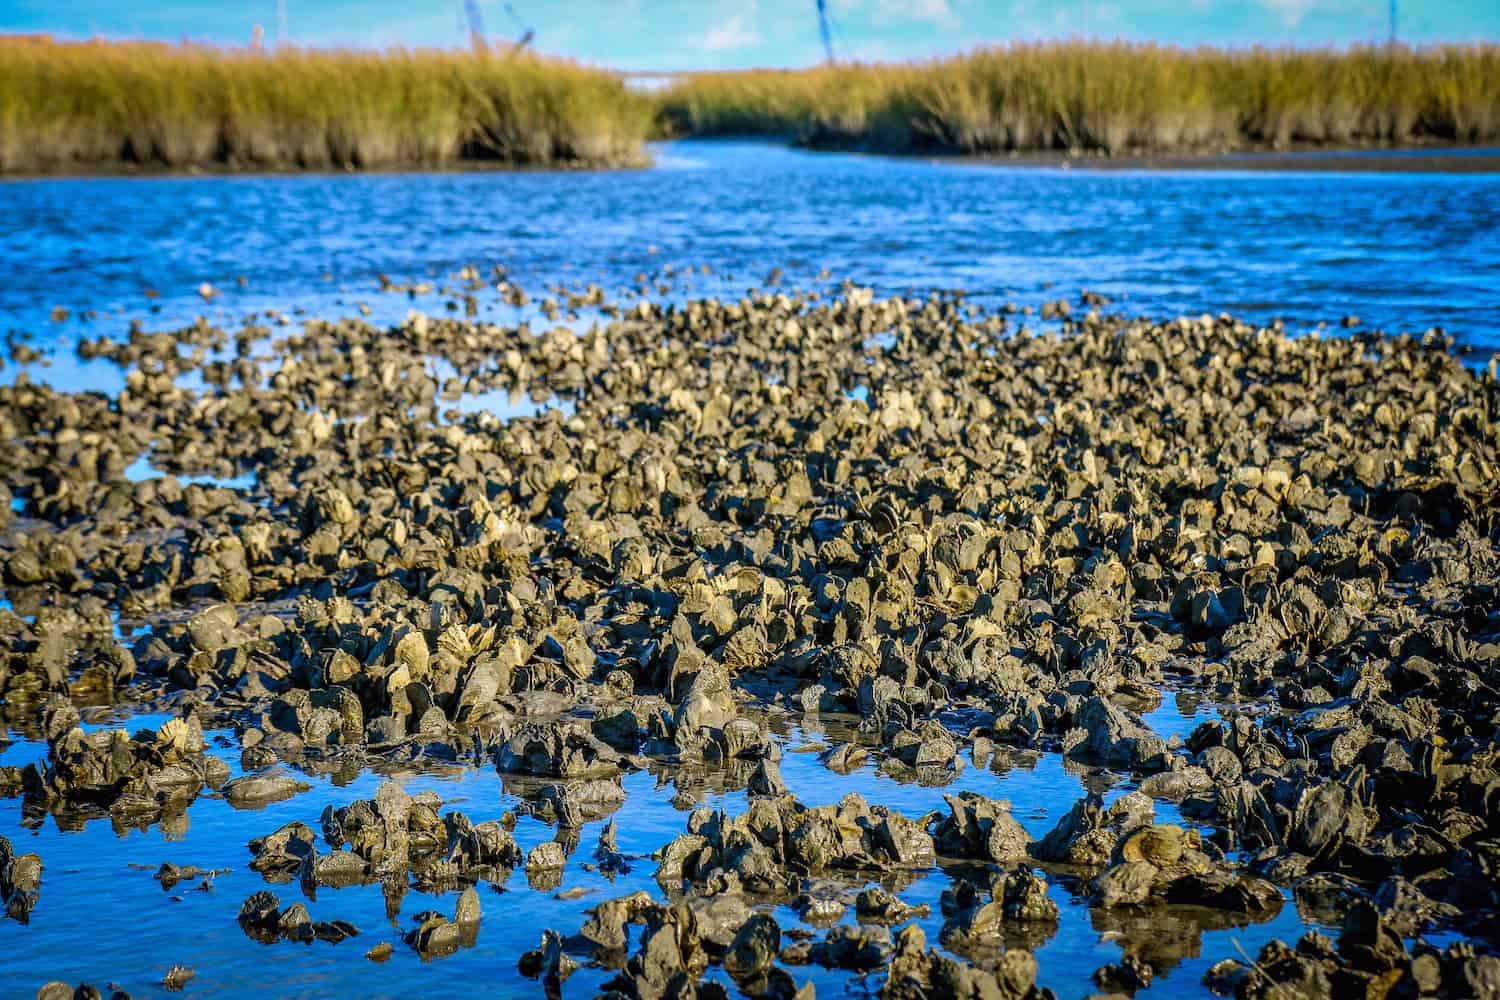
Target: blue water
[
  {"x": 1404, "y": 252},
  {"x": 97, "y": 887},
  {"x": 142, "y": 468}
]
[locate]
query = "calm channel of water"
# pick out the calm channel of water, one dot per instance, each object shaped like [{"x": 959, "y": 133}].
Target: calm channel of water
[{"x": 1402, "y": 251}]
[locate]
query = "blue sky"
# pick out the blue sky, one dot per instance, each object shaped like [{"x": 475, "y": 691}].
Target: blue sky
[{"x": 681, "y": 34}]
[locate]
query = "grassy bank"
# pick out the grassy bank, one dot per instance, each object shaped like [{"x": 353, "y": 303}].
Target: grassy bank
[
  {"x": 1111, "y": 97},
  {"x": 98, "y": 105}
]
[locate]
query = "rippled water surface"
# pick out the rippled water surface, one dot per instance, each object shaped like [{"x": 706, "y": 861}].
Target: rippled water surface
[{"x": 1403, "y": 252}]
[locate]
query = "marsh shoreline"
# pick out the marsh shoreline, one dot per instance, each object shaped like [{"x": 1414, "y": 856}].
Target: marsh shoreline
[
  {"x": 1446, "y": 159},
  {"x": 71, "y": 107},
  {"x": 1421, "y": 160}
]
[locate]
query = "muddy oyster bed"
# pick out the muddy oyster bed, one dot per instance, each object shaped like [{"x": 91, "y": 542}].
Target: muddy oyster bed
[{"x": 835, "y": 646}]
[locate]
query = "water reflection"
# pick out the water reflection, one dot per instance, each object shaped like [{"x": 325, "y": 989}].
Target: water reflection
[{"x": 87, "y": 861}]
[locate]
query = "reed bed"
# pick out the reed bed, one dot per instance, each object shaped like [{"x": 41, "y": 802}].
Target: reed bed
[
  {"x": 93, "y": 105},
  {"x": 1111, "y": 97},
  {"x": 78, "y": 106}
]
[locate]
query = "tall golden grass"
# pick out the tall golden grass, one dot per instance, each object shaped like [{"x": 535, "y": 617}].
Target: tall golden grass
[
  {"x": 69, "y": 106},
  {"x": 1112, "y": 97},
  {"x": 82, "y": 106}
]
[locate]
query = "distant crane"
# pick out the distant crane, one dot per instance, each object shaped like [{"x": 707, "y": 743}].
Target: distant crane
[
  {"x": 476, "y": 26},
  {"x": 527, "y": 34},
  {"x": 825, "y": 30}
]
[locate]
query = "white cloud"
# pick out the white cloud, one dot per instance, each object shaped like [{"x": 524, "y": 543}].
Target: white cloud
[
  {"x": 1289, "y": 12},
  {"x": 734, "y": 32},
  {"x": 1104, "y": 15},
  {"x": 936, "y": 12}
]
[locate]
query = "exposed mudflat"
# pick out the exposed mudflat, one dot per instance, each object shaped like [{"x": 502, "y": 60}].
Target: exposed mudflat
[
  {"x": 848, "y": 646},
  {"x": 1425, "y": 160}
]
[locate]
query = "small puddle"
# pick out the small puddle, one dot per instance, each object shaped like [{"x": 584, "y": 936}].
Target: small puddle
[
  {"x": 128, "y": 633},
  {"x": 502, "y": 403},
  {"x": 6, "y": 605},
  {"x": 65, "y": 371},
  {"x": 19, "y": 752},
  {"x": 1179, "y": 714},
  {"x": 142, "y": 469}
]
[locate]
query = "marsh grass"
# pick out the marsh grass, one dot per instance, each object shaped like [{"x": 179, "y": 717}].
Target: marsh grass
[
  {"x": 1114, "y": 97},
  {"x": 88, "y": 105}
]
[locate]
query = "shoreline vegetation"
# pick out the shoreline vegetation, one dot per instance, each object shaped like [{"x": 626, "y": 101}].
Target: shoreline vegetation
[
  {"x": 1112, "y": 99},
  {"x": 67, "y": 108}
]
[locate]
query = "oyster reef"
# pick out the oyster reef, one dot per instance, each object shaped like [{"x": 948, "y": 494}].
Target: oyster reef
[{"x": 780, "y": 647}]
